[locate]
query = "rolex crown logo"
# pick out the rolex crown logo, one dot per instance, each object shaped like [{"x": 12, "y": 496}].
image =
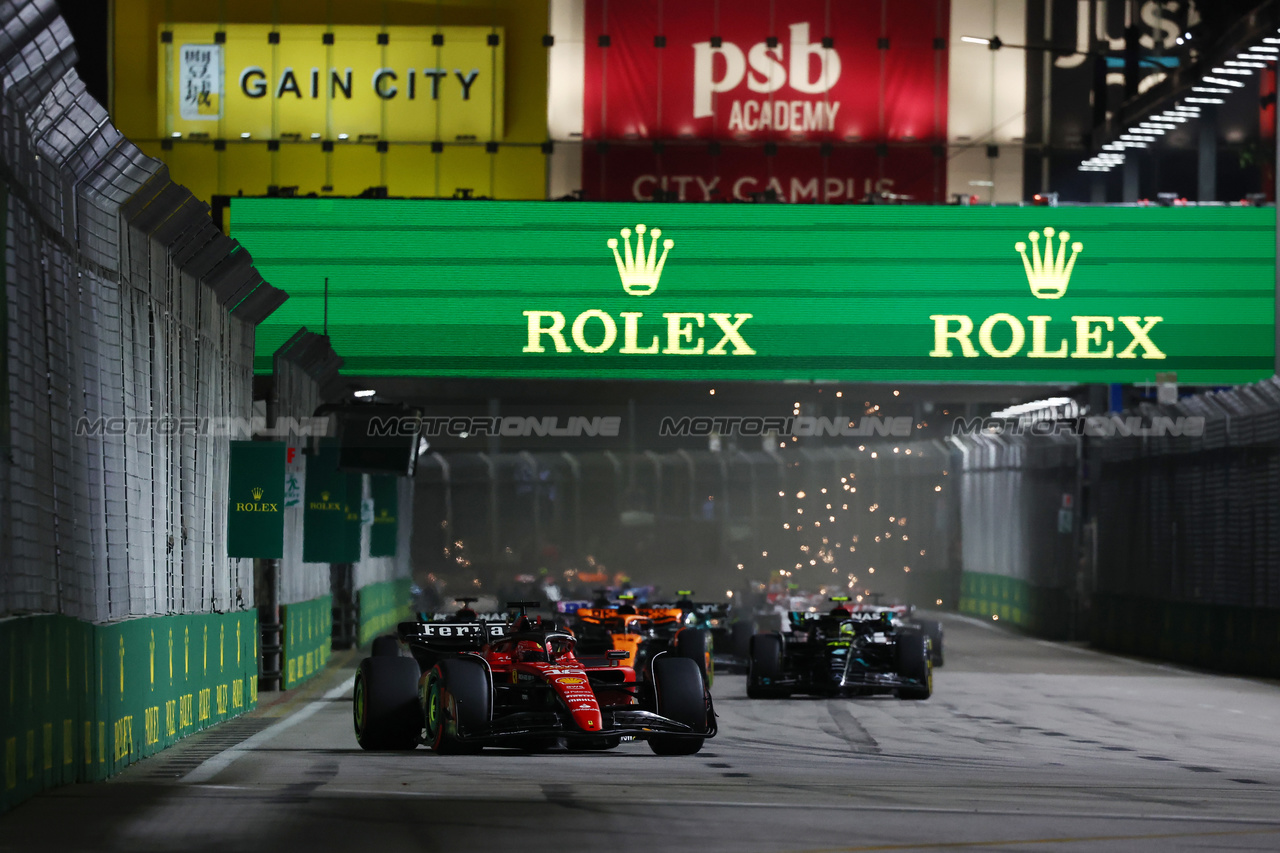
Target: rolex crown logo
[
  {"x": 256, "y": 491},
  {"x": 324, "y": 496},
  {"x": 1048, "y": 274},
  {"x": 640, "y": 271}
]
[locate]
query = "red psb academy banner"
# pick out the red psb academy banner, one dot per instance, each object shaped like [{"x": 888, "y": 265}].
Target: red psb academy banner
[{"x": 848, "y": 93}]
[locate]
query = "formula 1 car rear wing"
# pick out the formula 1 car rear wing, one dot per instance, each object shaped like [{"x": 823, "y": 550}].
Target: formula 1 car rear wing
[
  {"x": 453, "y": 617},
  {"x": 800, "y": 620},
  {"x": 458, "y": 636}
]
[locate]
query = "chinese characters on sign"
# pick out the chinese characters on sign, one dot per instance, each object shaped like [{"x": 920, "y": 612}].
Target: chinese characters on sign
[{"x": 200, "y": 73}]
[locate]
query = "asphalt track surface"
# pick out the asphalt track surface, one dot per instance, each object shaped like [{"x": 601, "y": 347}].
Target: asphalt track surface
[{"x": 1025, "y": 745}]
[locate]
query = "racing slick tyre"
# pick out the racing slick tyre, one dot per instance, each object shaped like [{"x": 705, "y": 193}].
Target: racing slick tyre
[
  {"x": 695, "y": 644},
  {"x": 742, "y": 633},
  {"x": 384, "y": 706},
  {"x": 457, "y": 702},
  {"x": 933, "y": 630},
  {"x": 766, "y": 667},
  {"x": 913, "y": 663},
  {"x": 681, "y": 696},
  {"x": 386, "y": 646}
]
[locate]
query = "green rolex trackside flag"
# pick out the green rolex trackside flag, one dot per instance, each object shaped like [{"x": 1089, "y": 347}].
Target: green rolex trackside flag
[
  {"x": 324, "y": 514},
  {"x": 382, "y": 538},
  {"x": 255, "y": 500}
]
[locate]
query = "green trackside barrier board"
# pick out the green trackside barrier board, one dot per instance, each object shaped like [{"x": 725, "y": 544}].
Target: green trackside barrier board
[
  {"x": 1042, "y": 611},
  {"x": 995, "y": 595},
  {"x": 772, "y": 292},
  {"x": 308, "y": 638},
  {"x": 80, "y": 702},
  {"x": 383, "y": 606}
]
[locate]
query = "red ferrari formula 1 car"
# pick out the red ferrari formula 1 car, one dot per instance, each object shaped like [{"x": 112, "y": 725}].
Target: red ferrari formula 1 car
[{"x": 459, "y": 687}]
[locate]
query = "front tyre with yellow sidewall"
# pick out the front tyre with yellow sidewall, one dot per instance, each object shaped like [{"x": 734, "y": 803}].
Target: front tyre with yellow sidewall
[
  {"x": 914, "y": 663},
  {"x": 384, "y": 705}
]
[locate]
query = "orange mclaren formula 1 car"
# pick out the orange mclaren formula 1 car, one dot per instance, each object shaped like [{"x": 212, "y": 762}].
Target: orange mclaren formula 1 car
[
  {"x": 462, "y": 686},
  {"x": 643, "y": 633}
]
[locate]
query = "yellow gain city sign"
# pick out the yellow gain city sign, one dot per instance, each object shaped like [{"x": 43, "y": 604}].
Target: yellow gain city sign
[{"x": 399, "y": 84}]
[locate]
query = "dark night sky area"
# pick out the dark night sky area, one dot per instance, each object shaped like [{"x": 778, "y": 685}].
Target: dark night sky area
[{"x": 88, "y": 22}]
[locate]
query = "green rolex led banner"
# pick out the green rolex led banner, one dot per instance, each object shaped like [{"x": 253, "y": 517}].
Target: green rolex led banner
[
  {"x": 255, "y": 500},
  {"x": 775, "y": 292}
]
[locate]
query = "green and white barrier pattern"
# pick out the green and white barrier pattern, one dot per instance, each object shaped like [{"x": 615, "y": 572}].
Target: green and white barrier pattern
[
  {"x": 308, "y": 638},
  {"x": 81, "y": 702},
  {"x": 383, "y": 606}
]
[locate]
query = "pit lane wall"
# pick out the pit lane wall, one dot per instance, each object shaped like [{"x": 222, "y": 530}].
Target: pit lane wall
[
  {"x": 383, "y": 606},
  {"x": 81, "y": 702}
]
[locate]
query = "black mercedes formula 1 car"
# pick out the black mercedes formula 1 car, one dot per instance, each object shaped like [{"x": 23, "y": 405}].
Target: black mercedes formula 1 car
[
  {"x": 905, "y": 615},
  {"x": 841, "y": 653},
  {"x": 460, "y": 686}
]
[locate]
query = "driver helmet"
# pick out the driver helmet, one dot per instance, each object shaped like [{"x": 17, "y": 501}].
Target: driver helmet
[
  {"x": 527, "y": 651},
  {"x": 559, "y": 647}
]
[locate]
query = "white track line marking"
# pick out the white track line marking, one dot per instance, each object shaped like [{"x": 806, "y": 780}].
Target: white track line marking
[
  {"x": 215, "y": 765},
  {"x": 330, "y": 791}
]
